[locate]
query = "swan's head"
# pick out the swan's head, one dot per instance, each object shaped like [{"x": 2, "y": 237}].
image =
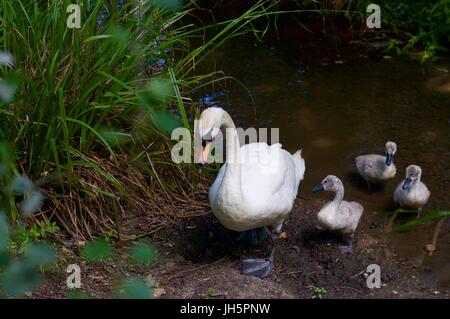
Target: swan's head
[
  {"x": 413, "y": 173},
  {"x": 329, "y": 183},
  {"x": 390, "y": 149},
  {"x": 208, "y": 127}
]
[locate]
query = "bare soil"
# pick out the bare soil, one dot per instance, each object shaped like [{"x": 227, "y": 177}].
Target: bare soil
[{"x": 200, "y": 259}]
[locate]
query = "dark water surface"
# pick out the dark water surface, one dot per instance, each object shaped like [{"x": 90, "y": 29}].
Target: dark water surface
[{"x": 338, "y": 111}]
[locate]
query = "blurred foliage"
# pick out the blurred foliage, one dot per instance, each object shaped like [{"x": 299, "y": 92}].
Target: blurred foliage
[
  {"x": 7, "y": 87},
  {"x": 89, "y": 81},
  {"x": 134, "y": 289},
  {"x": 20, "y": 269},
  {"x": 97, "y": 251},
  {"x": 167, "y": 4},
  {"x": 143, "y": 253},
  {"x": 77, "y": 294},
  {"x": 39, "y": 254}
]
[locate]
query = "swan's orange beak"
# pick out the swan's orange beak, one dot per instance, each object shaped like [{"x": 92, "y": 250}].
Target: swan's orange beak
[{"x": 206, "y": 146}]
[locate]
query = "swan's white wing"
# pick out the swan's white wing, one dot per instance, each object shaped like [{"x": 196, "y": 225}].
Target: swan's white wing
[
  {"x": 269, "y": 182},
  {"x": 268, "y": 177},
  {"x": 373, "y": 167},
  {"x": 347, "y": 217}
]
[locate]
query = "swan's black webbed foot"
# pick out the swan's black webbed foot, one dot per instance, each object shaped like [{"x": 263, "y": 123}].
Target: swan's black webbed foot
[
  {"x": 260, "y": 268},
  {"x": 347, "y": 249}
]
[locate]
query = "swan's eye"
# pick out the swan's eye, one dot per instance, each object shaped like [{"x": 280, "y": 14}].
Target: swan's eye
[
  {"x": 325, "y": 182},
  {"x": 204, "y": 141}
]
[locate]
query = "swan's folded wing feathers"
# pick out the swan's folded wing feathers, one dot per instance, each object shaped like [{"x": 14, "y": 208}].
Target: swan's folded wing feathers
[
  {"x": 265, "y": 169},
  {"x": 348, "y": 216},
  {"x": 371, "y": 165}
]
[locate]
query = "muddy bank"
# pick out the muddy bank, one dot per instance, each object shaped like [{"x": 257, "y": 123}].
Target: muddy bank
[
  {"x": 306, "y": 259},
  {"x": 200, "y": 259}
]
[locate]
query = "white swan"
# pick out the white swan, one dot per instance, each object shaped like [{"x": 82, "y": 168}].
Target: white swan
[
  {"x": 257, "y": 185},
  {"x": 376, "y": 168},
  {"x": 338, "y": 216},
  {"x": 412, "y": 193}
]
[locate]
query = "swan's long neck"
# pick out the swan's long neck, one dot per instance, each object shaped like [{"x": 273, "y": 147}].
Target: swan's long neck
[
  {"x": 232, "y": 177},
  {"x": 415, "y": 183},
  {"x": 338, "y": 195}
]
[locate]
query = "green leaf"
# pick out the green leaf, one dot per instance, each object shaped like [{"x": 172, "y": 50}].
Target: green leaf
[
  {"x": 3, "y": 169},
  {"x": 144, "y": 253},
  {"x": 32, "y": 203},
  {"x": 97, "y": 37},
  {"x": 6, "y": 58},
  {"x": 120, "y": 36},
  {"x": 156, "y": 93},
  {"x": 77, "y": 294},
  {"x": 114, "y": 137},
  {"x": 4, "y": 231},
  {"x": 19, "y": 277},
  {"x": 425, "y": 219},
  {"x": 7, "y": 91},
  {"x": 166, "y": 122},
  {"x": 134, "y": 289},
  {"x": 39, "y": 254},
  {"x": 167, "y": 4},
  {"x": 160, "y": 89},
  {"x": 21, "y": 185},
  {"x": 96, "y": 251},
  {"x": 4, "y": 259}
]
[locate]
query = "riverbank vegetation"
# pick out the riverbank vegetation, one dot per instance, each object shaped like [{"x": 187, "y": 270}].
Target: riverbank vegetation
[
  {"x": 93, "y": 108},
  {"x": 86, "y": 116}
]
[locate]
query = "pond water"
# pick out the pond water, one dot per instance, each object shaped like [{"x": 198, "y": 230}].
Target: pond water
[{"x": 337, "y": 111}]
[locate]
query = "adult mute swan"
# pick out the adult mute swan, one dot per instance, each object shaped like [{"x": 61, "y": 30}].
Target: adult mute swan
[
  {"x": 338, "y": 215},
  {"x": 255, "y": 188},
  {"x": 376, "y": 168},
  {"x": 411, "y": 193}
]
